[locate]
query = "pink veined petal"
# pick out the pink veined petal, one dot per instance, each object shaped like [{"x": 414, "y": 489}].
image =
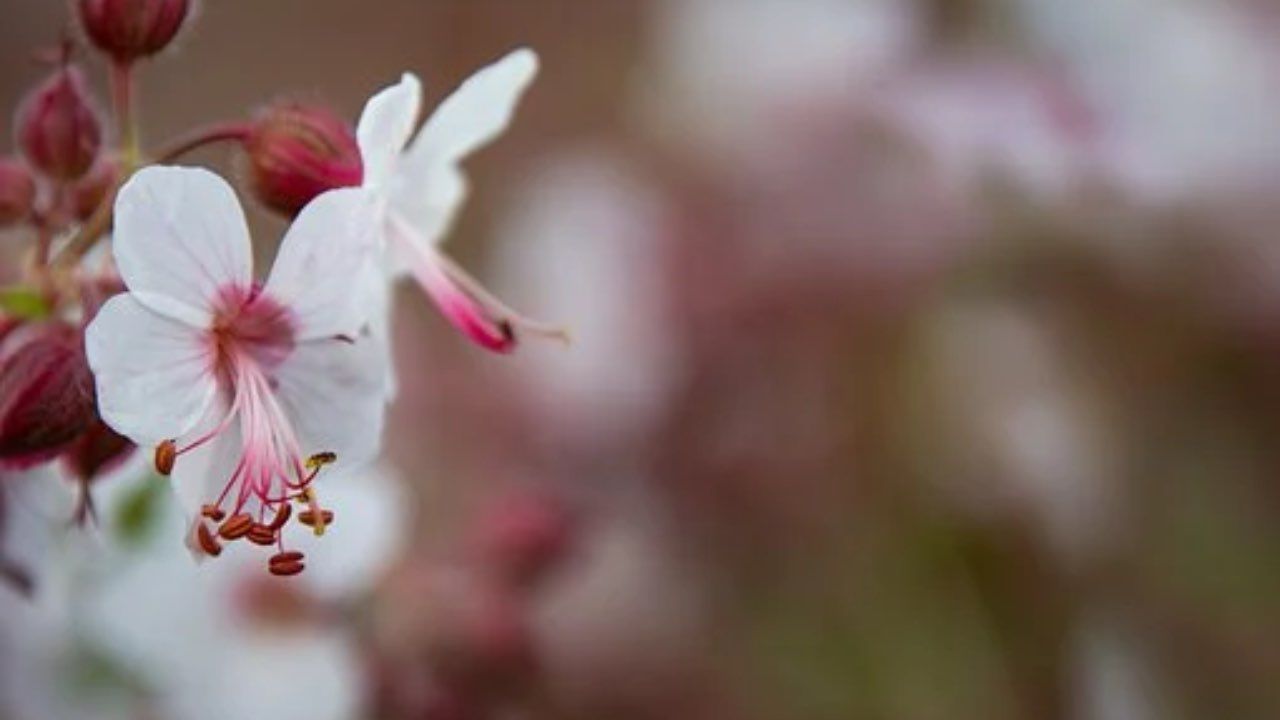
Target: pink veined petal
[
  {"x": 334, "y": 394},
  {"x": 154, "y": 374},
  {"x": 430, "y": 187},
  {"x": 323, "y": 256},
  {"x": 179, "y": 237},
  {"x": 385, "y": 125}
]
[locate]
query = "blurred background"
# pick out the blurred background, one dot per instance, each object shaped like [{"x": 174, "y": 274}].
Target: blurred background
[{"x": 926, "y": 365}]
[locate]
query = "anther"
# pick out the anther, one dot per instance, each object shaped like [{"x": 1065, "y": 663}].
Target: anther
[
  {"x": 308, "y": 517},
  {"x": 261, "y": 535},
  {"x": 321, "y": 459},
  {"x": 282, "y": 516},
  {"x": 208, "y": 543},
  {"x": 166, "y": 454},
  {"x": 286, "y": 563},
  {"x": 212, "y": 512},
  {"x": 237, "y": 526}
]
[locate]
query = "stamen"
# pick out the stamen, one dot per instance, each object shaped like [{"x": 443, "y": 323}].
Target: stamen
[
  {"x": 321, "y": 459},
  {"x": 282, "y": 516},
  {"x": 208, "y": 543},
  {"x": 166, "y": 454},
  {"x": 212, "y": 512},
  {"x": 261, "y": 535},
  {"x": 318, "y": 520},
  {"x": 236, "y": 527},
  {"x": 308, "y": 518},
  {"x": 285, "y": 564}
]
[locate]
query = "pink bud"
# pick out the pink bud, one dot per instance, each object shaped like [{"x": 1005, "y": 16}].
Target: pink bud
[
  {"x": 58, "y": 129},
  {"x": 46, "y": 394},
  {"x": 98, "y": 450},
  {"x": 520, "y": 536},
  {"x": 130, "y": 29},
  {"x": 91, "y": 190},
  {"x": 297, "y": 152},
  {"x": 17, "y": 191}
]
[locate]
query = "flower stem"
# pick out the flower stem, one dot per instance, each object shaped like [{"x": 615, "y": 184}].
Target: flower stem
[
  {"x": 200, "y": 137},
  {"x": 123, "y": 104},
  {"x": 97, "y": 224}
]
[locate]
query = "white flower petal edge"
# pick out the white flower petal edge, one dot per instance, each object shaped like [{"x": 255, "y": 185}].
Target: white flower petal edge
[
  {"x": 330, "y": 243},
  {"x": 431, "y": 187},
  {"x": 385, "y": 125},
  {"x": 334, "y": 391},
  {"x": 151, "y": 371},
  {"x": 179, "y": 236}
]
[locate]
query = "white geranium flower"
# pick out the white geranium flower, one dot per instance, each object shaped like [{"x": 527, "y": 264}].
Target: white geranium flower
[
  {"x": 419, "y": 186},
  {"x": 245, "y": 389}
]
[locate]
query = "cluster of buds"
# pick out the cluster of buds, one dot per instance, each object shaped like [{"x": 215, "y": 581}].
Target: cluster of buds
[{"x": 61, "y": 174}]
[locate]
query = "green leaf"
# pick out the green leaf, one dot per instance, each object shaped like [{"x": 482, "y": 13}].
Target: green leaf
[{"x": 24, "y": 303}]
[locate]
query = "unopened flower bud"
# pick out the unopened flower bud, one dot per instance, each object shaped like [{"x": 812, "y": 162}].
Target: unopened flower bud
[
  {"x": 297, "y": 152},
  {"x": 131, "y": 29},
  {"x": 58, "y": 128},
  {"x": 92, "y": 190},
  {"x": 17, "y": 191},
  {"x": 46, "y": 395}
]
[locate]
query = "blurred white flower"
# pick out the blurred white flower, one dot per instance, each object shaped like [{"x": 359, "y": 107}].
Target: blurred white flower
[
  {"x": 250, "y": 388},
  {"x": 997, "y": 117},
  {"x": 591, "y": 230},
  {"x": 184, "y": 641},
  {"x": 1187, "y": 90},
  {"x": 731, "y": 73},
  {"x": 420, "y": 186},
  {"x": 1021, "y": 433}
]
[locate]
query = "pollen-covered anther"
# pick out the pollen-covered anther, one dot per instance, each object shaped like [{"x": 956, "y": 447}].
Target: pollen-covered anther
[
  {"x": 261, "y": 535},
  {"x": 321, "y": 459},
  {"x": 166, "y": 455},
  {"x": 208, "y": 543},
  {"x": 212, "y": 512},
  {"x": 308, "y": 517},
  {"x": 286, "y": 563},
  {"x": 237, "y": 526}
]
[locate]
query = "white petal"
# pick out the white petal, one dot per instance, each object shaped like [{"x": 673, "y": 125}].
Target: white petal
[
  {"x": 431, "y": 187},
  {"x": 334, "y": 393},
  {"x": 179, "y": 237},
  {"x": 154, "y": 374},
  {"x": 385, "y": 125},
  {"x": 324, "y": 253},
  {"x": 477, "y": 112}
]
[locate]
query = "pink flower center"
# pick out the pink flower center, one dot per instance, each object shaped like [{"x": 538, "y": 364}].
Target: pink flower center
[{"x": 251, "y": 336}]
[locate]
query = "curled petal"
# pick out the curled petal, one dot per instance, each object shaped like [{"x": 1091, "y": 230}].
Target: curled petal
[
  {"x": 154, "y": 374},
  {"x": 432, "y": 187},
  {"x": 385, "y": 125},
  {"x": 180, "y": 237}
]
